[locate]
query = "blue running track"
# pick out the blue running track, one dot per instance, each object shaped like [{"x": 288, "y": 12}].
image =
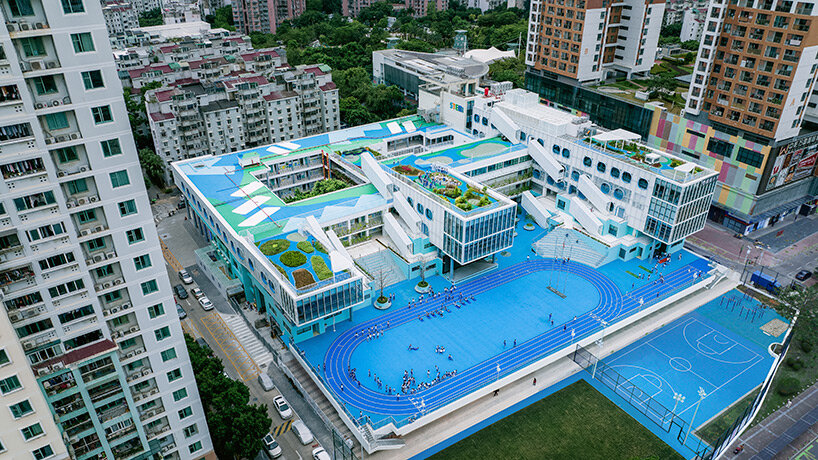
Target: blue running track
[{"x": 612, "y": 306}]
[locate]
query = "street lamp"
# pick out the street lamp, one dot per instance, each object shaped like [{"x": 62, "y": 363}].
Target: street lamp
[
  {"x": 679, "y": 398},
  {"x": 702, "y": 395}
]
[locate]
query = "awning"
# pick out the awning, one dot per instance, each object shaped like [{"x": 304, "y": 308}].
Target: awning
[{"x": 617, "y": 135}]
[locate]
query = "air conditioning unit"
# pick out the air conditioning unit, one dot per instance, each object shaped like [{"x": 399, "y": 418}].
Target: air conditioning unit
[
  {"x": 12, "y": 26},
  {"x": 93, "y": 198},
  {"x": 106, "y": 285},
  {"x": 28, "y": 345},
  {"x": 146, "y": 372},
  {"x": 154, "y": 391},
  {"x": 39, "y": 25},
  {"x": 25, "y": 66},
  {"x": 57, "y": 366},
  {"x": 106, "y": 312},
  {"x": 114, "y": 310},
  {"x": 129, "y": 355},
  {"x": 55, "y": 102},
  {"x": 69, "y": 205},
  {"x": 83, "y": 169},
  {"x": 75, "y": 136},
  {"x": 37, "y": 65},
  {"x": 134, "y": 329},
  {"x": 137, "y": 397},
  {"x": 62, "y": 138},
  {"x": 42, "y": 371},
  {"x": 110, "y": 255},
  {"x": 98, "y": 228},
  {"x": 98, "y": 258},
  {"x": 117, "y": 281},
  {"x": 85, "y": 232},
  {"x": 24, "y": 25},
  {"x": 126, "y": 305},
  {"x": 60, "y": 173},
  {"x": 14, "y": 316},
  {"x": 82, "y": 201},
  {"x": 39, "y": 105},
  {"x": 49, "y": 140},
  {"x": 138, "y": 352},
  {"x": 98, "y": 287},
  {"x": 51, "y": 64}
]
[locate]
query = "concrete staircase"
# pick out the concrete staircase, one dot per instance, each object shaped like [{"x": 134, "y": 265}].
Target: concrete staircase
[
  {"x": 581, "y": 252},
  {"x": 382, "y": 261}
]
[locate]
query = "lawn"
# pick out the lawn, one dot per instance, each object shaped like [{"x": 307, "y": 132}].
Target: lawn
[
  {"x": 723, "y": 421},
  {"x": 575, "y": 422}
]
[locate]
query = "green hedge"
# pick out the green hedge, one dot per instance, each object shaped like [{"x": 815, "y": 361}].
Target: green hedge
[
  {"x": 788, "y": 386},
  {"x": 320, "y": 247},
  {"x": 320, "y": 268},
  {"x": 293, "y": 258},
  {"x": 305, "y": 246},
  {"x": 273, "y": 247}
]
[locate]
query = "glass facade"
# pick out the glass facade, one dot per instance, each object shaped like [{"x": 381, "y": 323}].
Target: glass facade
[
  {"x": 676, "y": 211},
  {"x": 329, "y": 301},
  {"x": 466, "y": 241}
]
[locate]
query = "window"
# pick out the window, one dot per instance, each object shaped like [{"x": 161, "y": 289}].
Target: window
[
  {"x": 168, "y": 354},
  {"x": 119, "y": 178},
  {"x": 195, "y": 446},
  {"x": 76, "y": 186},
  {"x": 56, "y": 121},
  {"x": 587, "y": 161},
  {"x": 96, "y": 244},
  {"x": 10, "y": 384},
  {"x": 192, "y": 430},
  {"x": 86, "y": 216},
  {"x": 185, "y": 413},
  {"x": 600, "y": 167},
  {"x": 180, "y": 394},
  {"x": 92, "y": 79},
  {"x": 156, "y": 310},
  {"x": 43, "y": 452},
  {"x": 162, "y": 334},
  {"x": 45, "y": 85},
  {"x": 175, "y": 374},
  {"x": 83, "y": 42},
  {"x": 149, "y": 287},
  {"x": 626, "y": 177},
  {"x": 66, "y": 155},
  {"x": 134, "y": 236},
  {"x": 428, "y": 213},
  {"x": 126, "y": 208},
  {"x": 749, "y": 157},
  {"x": 32, "y": 431},
  {"x": 21, "y": 8},
  {"x": 110, "y": 148},
  {"x": 33, "y": 47},
  {"x": 4, "y": 358},
  {"x": 102, "y": 114},
  {"x": 21, "y": 409},
  {"x": 72, "y": 6},
  {"x": 643, "y": 184}
]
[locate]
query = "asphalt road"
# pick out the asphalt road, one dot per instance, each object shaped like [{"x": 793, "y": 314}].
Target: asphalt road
[{"x": 172, "y": 229}]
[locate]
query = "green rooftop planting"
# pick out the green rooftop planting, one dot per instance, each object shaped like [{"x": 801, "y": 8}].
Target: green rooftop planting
[
  {"x": 320, "y": 268},
  {"x": 273, "y": 247},
  {"x": 293, "y": 258},
  {"x": 305, "y": 247}
]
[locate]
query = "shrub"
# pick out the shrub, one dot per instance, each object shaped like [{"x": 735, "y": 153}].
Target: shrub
[
  {"x": 806, "y": 345},
  {"x": 280, "y": 269},
  {"x": 383, "y": 299},
  {"x": 305, "y": 246},
  {"x": 674, "y": 163},
  {"x": 423, "y": 284},
  {"x": 795, "y": 363},
  {"x": 303, "y": 278},
  {"x": 788, "y": 386},
  {"x": 320, "y": 268},
  {"x": 320, "y": 247},
  {"x": 273, "y": 247},
  {"x": 293, "y": 258}
]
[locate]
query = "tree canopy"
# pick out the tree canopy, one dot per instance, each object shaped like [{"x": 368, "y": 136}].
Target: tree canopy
[
  {"x": 151, "y": 18},
  {"x": 236, "y": 427},
  {"x": 222, "y": 18}
]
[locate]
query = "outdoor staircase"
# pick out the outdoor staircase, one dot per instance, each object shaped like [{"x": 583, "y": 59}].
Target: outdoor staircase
[
  {"x": 382, "y": 261},
  {"x": 581, "y": 252}
]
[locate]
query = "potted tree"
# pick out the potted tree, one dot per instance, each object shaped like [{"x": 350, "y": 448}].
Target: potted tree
[
  {"x": 423, "y": 286},
  {"x": 382, "y": 302}
]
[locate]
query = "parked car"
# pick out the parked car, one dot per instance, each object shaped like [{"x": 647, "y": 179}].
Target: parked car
[
  {"x": 320, "y": 454},
  {"x": 271, "y": 446},
  {"x": 266, "y": 382},
  {"x": 206, "y": 303},
  {"x": 185, "y": 277},
  {"x": 282, "y": 407},
  {"x": 196, "y": 293},
  {"x": 181, "y": 205},
  {"x": 181, "y": 311},
  {"x": 180, "y": 290},
  {"x": 202, "y": 343},
  {"x": 302, "y": 432},
  {"x": 803, "y": 275}
]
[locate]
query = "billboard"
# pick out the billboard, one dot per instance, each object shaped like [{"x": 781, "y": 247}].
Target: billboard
[{"x": 792, "y": 163}]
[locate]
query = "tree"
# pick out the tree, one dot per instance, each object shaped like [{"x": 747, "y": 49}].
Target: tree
[
  {"x": 222, "y": 18},
  {"x": 416, "y": 45},
  {"x": 236, "y": 427},
  {"x": 354, "y": 81},
  {"x": 662, "y": 82},
  {"x": 151, "y": 18},
  {"x": 509, "y": 69},
  {"x": 691, "y": 45},
  {"x": 153, "y": 165}
]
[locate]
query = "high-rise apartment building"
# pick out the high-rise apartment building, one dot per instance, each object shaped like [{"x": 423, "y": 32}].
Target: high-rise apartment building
[
  {"x": 756, "y": 67},
  {"x": 120, "y": 17},
  {"x": 88, "y": 319},
  {"x": 592, "y": 40},
  {"x": 264, "y": 15}
]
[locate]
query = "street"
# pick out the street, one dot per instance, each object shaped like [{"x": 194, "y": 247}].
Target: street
[{"x": 209, "y": 325}]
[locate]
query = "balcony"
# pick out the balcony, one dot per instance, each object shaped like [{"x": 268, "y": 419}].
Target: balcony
[
  {"x": 154, "y": 411},
  {"x": 20, "y": 132},
  {"x": 67, "y": 405},
  {"x": 48, "y": 91},
  {"x": 105, "y": 391},
  {"x": 91, "y": 228},
  {"x": 60, "y": 127},
  {"x": 58, "y": 384},
  {"x": 16, "y": 278},
  {"x": 125, "y": 332},
  {"x": 143, "y": 371},
  {"x": 157, "y": 429},
  {"x": 114, "y": 412}
]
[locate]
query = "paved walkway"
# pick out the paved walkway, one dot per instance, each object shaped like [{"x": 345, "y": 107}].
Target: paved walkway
[{"x": 763, "y": 441}]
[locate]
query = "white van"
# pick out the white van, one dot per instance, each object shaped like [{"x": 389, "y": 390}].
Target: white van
[
  {"x": 302, "y": 432},
  {"x": 266, "y": 382}
]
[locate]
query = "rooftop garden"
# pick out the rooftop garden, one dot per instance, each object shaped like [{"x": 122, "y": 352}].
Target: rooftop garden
[
  {"x": 321, "y": 187},
  {"x": 640, "y": 154},
  {"x": 302, "y": 262},
  {"x": 453, "y": 190}
]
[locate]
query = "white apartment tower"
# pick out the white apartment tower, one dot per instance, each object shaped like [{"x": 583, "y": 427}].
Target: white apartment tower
[{"x": 83, "y": 288}]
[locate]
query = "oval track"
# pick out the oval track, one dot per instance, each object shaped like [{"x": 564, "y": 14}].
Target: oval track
[{"x": 610, "y": 306}]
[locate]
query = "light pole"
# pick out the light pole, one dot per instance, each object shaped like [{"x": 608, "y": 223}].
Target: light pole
[
  {"x": 702, "y": 395},
  {"x": 679, "y": 398},
  {"x": 498, "y": 372}
]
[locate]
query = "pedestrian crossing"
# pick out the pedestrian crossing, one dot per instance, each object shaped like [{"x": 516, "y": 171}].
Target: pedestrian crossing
[{"x": 257, "y": 351}]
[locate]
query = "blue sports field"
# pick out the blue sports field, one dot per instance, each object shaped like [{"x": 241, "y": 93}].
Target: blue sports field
[{"x": 366, "y": 362}]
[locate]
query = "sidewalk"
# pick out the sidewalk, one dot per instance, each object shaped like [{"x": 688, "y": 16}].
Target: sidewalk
[{"x": 785, "y": 432}]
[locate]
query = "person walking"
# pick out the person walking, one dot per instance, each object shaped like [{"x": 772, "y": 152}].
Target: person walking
[{"x": 535, "y": 381}]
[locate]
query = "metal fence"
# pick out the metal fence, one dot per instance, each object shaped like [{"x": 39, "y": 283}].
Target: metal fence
[{"x": 640, "y": 400}]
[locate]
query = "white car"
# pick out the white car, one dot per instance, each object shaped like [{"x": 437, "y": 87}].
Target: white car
[
  {"x": 185, "y": 277},
  {"x": 271, "y": 446},
  {"x": 196, "y": 292},
  {"x": 282, "y": 407},
  {"x": 302, "y": 432},
  {"x": 320, "y": 454},
  {"x": 206, "y": 303}
]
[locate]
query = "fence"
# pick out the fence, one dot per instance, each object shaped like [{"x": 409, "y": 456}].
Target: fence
[
  {"x": 640, "y": 400},
  {"x": 743, "y": 421}
]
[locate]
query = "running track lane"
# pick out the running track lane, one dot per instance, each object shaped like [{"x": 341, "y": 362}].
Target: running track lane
[{"x": 611, "y": 305}]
